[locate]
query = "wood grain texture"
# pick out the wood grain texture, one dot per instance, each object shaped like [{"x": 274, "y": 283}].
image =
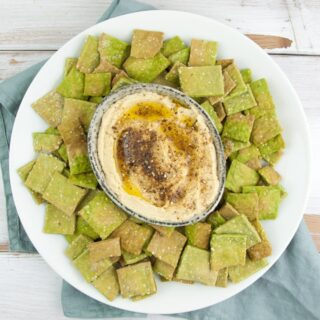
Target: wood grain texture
[{"x": 49, "y": 24}]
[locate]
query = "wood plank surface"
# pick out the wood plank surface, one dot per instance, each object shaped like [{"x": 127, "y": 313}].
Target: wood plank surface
[{"x": 49, "y": 24}]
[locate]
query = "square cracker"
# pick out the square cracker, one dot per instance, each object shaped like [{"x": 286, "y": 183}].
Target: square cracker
[
  {"x": 146, "y": 44},
  {"x": 201, "y": 81},
  {"x": 102, "y": 215},
  {"x": 77, "y": 246},
  {"x": 163, "y": 269},
  {"x": 89, "y": 57},
  {"x": 202, "y": 53},
  {"x": 238, "y": 127},
  {"x": 136, "y": 280},
  {"x": 198, "y": 234},
  {"x": 63, "y": 194},
  {"x": 172, "y": 45},
  {"x": 42, "y": 172},
  {"x": 240, "y": 175},
  {"x": 195, "y": 266},
  {"x": 107, "y": 284},
  {"x": 167, "y": 249},
  {"x": 91, "y": 270},
  {"x": 245, "y": 203},
  {"x": 240, "y": 225},
  {"x": 56, "y": 221},
  {"x": 227, "y": 250},
  {"x": 146, "y": 70},
  {"x": 104, "y": 249},
  {"x": 50, "y": 108},
  {"x": 133, "y": 236},
  {"x": 97, "y": 84}
]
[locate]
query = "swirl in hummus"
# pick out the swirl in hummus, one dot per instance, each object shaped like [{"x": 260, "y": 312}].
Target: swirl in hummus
[{"x": 158, "y": 157}]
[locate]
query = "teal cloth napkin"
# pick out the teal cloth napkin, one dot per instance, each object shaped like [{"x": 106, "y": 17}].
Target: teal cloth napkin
[{"x": 290, "y": 290}]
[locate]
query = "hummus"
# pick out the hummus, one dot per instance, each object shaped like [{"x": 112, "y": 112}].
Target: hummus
[{"x": 158, "y": 157}]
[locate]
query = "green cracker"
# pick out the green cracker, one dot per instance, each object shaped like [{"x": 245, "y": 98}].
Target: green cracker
[
  {"x": 202, "y": 53},
  {"x": 227, "y": 211},
  {"x": 58, "y": 222},
  {"x": 173, "y": 74},
  {"x": 63, "y": 194},
  {"x": 240, "y": 175},
  {"x": 231, "y": 146},
  {"x": 239, "y": 102},
  {"x": 113, "y": 50},
  {"x": 50, "y": 108},
  {"x": 273, "y": 158},
  {"x": 201, "y": 81},
  {"x": 235, "y": 75},
  {"x": 52, "y": 130},
  {"x": 42, "y": 172},
  {"x": 74, "y": 138},
  {"x": 246, "y": 154},
  {"x": 240, "y": 225},
  {"x": 238, "y": 127},
  {"x": 269, "y": 200},
  {"x": 102, "y": 215},
  {"x": 68, "y": 64},
  {"x": 129, "y": 258},
  {"x": 121, "y": 82},
  {"x": 164, "y": 231},
  {"x": 107, "y": 284},
  {"x": 163, "y": 269},
  {"x": 77, "y": 246},
  {"x": 146, "y": 70},
  {"x": 270, "y": 175},
  {"x": 219, "y": 109},
  {"x": 172, "y": 45},
  {"x": 263, "y": 249},
  {"x": 229, "y": 85},
  {"x": 198, "y": 234},
  {"x": 72, "y": 85},
  {"x": 181, "y": 56},
  {"x": 24, "y": 171},
  {"x": 246, "y": 75},
  {"x": 84, "y": 180},
  {"x": 265, "y": 128},
  {"x": 62, "y": 153},
  {"x": 146, "y": 44},
  {"x": 167, "y": 249},
  {"x": 224, "y": 62},
  {"x": 44, "y": 142},
  {"x": 239, "y": 273},
  {"x": 91, "y": 270},
  {"x": 82, "y": 227},
  {"x": 227, "y": 250},
  {"x": 97, "y": 84},
  {"x": 195, "y": 266},
  {"x": 89, "y": 57},
  {"x": 263, "y": 97},
  {"x": 245, "y": 203},
  {"x": 83, "y": 110},
  {"x": 212, "y": 114},
  {"x": 215, "y": 219},
  {"x": 271, "y": 146},
  {"x": 104, "y": 249},
  {"x": 133, "y": 236},
  {"x": 222, "y": 279},
  {"x": 136, "y": 280}
]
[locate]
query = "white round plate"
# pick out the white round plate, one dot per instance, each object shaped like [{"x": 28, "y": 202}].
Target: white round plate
[{"x": 172, "y": 297}]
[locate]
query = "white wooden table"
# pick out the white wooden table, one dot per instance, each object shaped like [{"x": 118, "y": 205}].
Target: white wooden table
[{"x": 31, "y": 30}]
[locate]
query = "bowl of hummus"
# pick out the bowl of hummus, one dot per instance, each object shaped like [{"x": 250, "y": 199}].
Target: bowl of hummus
[{"x": 157, "y": 154}]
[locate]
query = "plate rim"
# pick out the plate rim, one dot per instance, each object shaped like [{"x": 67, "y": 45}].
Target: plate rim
[{"x": 307, "y": 142}]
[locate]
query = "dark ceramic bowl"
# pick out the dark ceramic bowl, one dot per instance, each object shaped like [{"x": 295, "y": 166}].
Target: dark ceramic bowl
[{"x": 183, "y": 100}]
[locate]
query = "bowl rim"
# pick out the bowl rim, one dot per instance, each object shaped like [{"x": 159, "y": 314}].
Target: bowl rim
[{"x": 183, "y": 99}]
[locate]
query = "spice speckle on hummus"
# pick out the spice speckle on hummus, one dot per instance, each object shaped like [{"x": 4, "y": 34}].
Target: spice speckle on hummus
[{"x": 158, "y": 157}]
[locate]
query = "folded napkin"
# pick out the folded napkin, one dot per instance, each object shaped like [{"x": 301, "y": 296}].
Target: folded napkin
[{"x": 289, "y": 290}]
